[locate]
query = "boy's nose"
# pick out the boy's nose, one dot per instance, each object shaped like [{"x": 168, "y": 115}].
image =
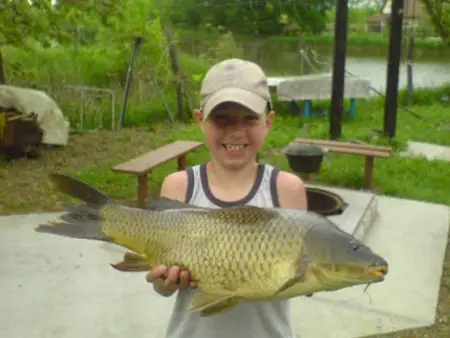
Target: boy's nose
[
  {"x": 238, "y": 124},
  {"x": 236, "y": 129}
]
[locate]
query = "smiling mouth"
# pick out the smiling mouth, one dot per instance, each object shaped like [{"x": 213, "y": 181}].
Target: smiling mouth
[{"x": 234, "y": 147}]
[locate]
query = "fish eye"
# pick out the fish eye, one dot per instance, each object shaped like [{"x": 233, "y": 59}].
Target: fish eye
[{"x": 354, "y": 245}]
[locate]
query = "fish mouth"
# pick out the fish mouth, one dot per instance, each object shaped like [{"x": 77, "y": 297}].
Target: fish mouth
[{"x": 378, "y": 272}]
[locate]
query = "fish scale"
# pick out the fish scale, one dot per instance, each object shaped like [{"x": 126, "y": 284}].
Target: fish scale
[
  {"x": 235, "y": 254},
  {"x": 203, "y": 250}
]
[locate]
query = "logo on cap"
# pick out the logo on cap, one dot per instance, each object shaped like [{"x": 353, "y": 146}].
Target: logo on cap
[{"x": 229, "y": 66}]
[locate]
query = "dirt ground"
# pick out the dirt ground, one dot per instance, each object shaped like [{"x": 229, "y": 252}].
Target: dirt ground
[
  {"x": 24, "y": 185},
  {"x": 24, "y": 188}
]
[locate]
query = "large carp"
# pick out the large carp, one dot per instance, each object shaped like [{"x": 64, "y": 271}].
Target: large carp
[{"x": 235, "y": 254}]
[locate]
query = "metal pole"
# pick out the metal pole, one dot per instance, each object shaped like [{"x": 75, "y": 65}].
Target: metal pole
[
  {"x": 338, "y": 80},
  {"x": 410, "y": 57},
  {"x": 393, "y": 69},
  {"x": 137, "y": 42}
]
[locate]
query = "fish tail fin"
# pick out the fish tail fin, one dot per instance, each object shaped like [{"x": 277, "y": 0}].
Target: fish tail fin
[
  {"x": 81, "y": 221},
  {"x": 78, "y": 189},
  {"x": 74, "y": 226}
]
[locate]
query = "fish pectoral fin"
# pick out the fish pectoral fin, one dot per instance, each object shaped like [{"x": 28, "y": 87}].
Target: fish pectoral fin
[
  {"x": 219, "y": 307},
  {"x": 132, "y": 262},
  {"x": 211, "y": 304},
  {"x": 289, "y": 283},
  {"x": 297, "y": 276}
]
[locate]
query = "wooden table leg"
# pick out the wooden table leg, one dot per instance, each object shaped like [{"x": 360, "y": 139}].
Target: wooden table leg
[
  {"x": 142, "y": 190},
  {"x": 368, "y": 172},
  {"x": 181, "y": 161}
]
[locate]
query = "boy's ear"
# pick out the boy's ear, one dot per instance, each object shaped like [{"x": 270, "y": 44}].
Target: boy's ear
[
  {"x": 269, "y": 119},
  {"x": 198, "y": 116}
]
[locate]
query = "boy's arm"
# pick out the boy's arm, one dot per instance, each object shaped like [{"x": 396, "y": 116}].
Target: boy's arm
[{"x": 291, "y": 191}]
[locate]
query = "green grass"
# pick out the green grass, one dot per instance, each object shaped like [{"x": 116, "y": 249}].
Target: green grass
[
  {"x": 360, "y": 39},
  {"x": 414, "y": 178},
  {"x": 353, "y": 39}
]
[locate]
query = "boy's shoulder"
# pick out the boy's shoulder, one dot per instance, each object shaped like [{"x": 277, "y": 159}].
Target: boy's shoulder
[
  {"x": 289, "y": 182},
  {"x": 291, "y": 190},
  {"x": 175, "y": 185}
]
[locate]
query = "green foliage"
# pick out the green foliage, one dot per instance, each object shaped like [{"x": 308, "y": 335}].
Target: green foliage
[
  {"x": 89, "y": 45},
  {"x": 263, "y": 17},
  {"x": 439, "y": 15}
]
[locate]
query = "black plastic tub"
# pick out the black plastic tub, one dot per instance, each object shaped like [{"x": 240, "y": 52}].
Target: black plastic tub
[{"x": 304, "y": 158}]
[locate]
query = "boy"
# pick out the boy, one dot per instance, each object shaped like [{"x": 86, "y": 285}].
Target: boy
[{"x": 235, "y": 116}]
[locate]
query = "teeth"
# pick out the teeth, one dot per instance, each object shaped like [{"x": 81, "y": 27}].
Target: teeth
[{"x": 234, "y": 147}]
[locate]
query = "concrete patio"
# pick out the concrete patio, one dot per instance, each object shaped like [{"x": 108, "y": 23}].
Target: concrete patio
[{"x": 61, "y": 287}]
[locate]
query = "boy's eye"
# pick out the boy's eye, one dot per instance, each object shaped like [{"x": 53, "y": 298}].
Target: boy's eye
[
  {"x": 227, "y": 120},
  {"x": 222, "y": 120},
  {"x": 251, "y": 118}
]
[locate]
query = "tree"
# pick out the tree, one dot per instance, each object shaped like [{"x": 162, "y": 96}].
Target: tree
[
  {"x": 439, "y": 12},
  {"x": 25, "y": 23},
  {"x": 262, "y": 17}
]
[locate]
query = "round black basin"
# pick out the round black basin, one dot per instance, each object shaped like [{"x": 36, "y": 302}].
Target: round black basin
[
  {"x": 304, "y": 158},
  {"x": 324, "y": 202}
]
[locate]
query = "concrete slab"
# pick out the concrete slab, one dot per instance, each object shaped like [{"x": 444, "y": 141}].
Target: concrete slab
[
  {"x": 58, "y": 287},
  {"x": 428, "y": 150},
  {"x": 360, "y": 213},
  {"x": 61, "y": 287},
  {"x": 412, "y": 236}
]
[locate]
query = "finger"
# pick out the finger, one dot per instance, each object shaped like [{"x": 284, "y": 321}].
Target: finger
[
  {"x": 192, "y": 285},
  {"x": 157, "y": 272},
  {"x": 184, "y": 279},
  {"x": 173, "y": 276}
]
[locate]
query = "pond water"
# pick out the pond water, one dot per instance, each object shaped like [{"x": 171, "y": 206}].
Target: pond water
[
  {"x": 427, "y": 72},
  {"x": 430, "y": 68}
]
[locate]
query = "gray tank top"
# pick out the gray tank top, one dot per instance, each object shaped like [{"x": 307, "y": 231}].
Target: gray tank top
[{"x": 247, "y": 320}]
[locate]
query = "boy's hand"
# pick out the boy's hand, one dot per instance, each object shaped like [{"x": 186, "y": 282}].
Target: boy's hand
[{"x": 168, "y": 280}]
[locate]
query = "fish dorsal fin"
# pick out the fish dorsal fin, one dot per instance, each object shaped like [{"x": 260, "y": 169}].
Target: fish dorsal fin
[
  {"x": 211, "y": 304},
  {"x": 164, "y": 203},
  {"x": 247, "y": 214}
]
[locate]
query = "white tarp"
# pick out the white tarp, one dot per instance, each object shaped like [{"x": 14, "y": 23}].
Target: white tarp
[{"x": 50, "y": 118}]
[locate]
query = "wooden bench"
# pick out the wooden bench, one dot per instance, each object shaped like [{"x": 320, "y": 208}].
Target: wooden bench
[
  {"x": 141, "y": 166},
  {"x": 367, "y": 150}
]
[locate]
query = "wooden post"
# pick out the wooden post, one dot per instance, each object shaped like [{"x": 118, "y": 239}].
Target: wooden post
[
  {"x": 393, "y": 69},
  {"x": 142, "y": 190},
  {"x": 181, "y": 161},
  {"x": 338, "y": 80},
  {"x": 368, "y": 172},
  {"x": 2, "y": 70}
]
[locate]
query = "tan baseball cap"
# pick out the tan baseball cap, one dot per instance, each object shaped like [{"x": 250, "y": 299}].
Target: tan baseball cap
[{"x": 235, "y": 80}]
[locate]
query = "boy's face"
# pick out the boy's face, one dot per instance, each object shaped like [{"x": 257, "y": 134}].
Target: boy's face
[{"x": 234, "y": 134}]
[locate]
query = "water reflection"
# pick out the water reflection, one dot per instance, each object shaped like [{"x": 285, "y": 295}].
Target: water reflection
[{"x": 425, "y": 74}]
